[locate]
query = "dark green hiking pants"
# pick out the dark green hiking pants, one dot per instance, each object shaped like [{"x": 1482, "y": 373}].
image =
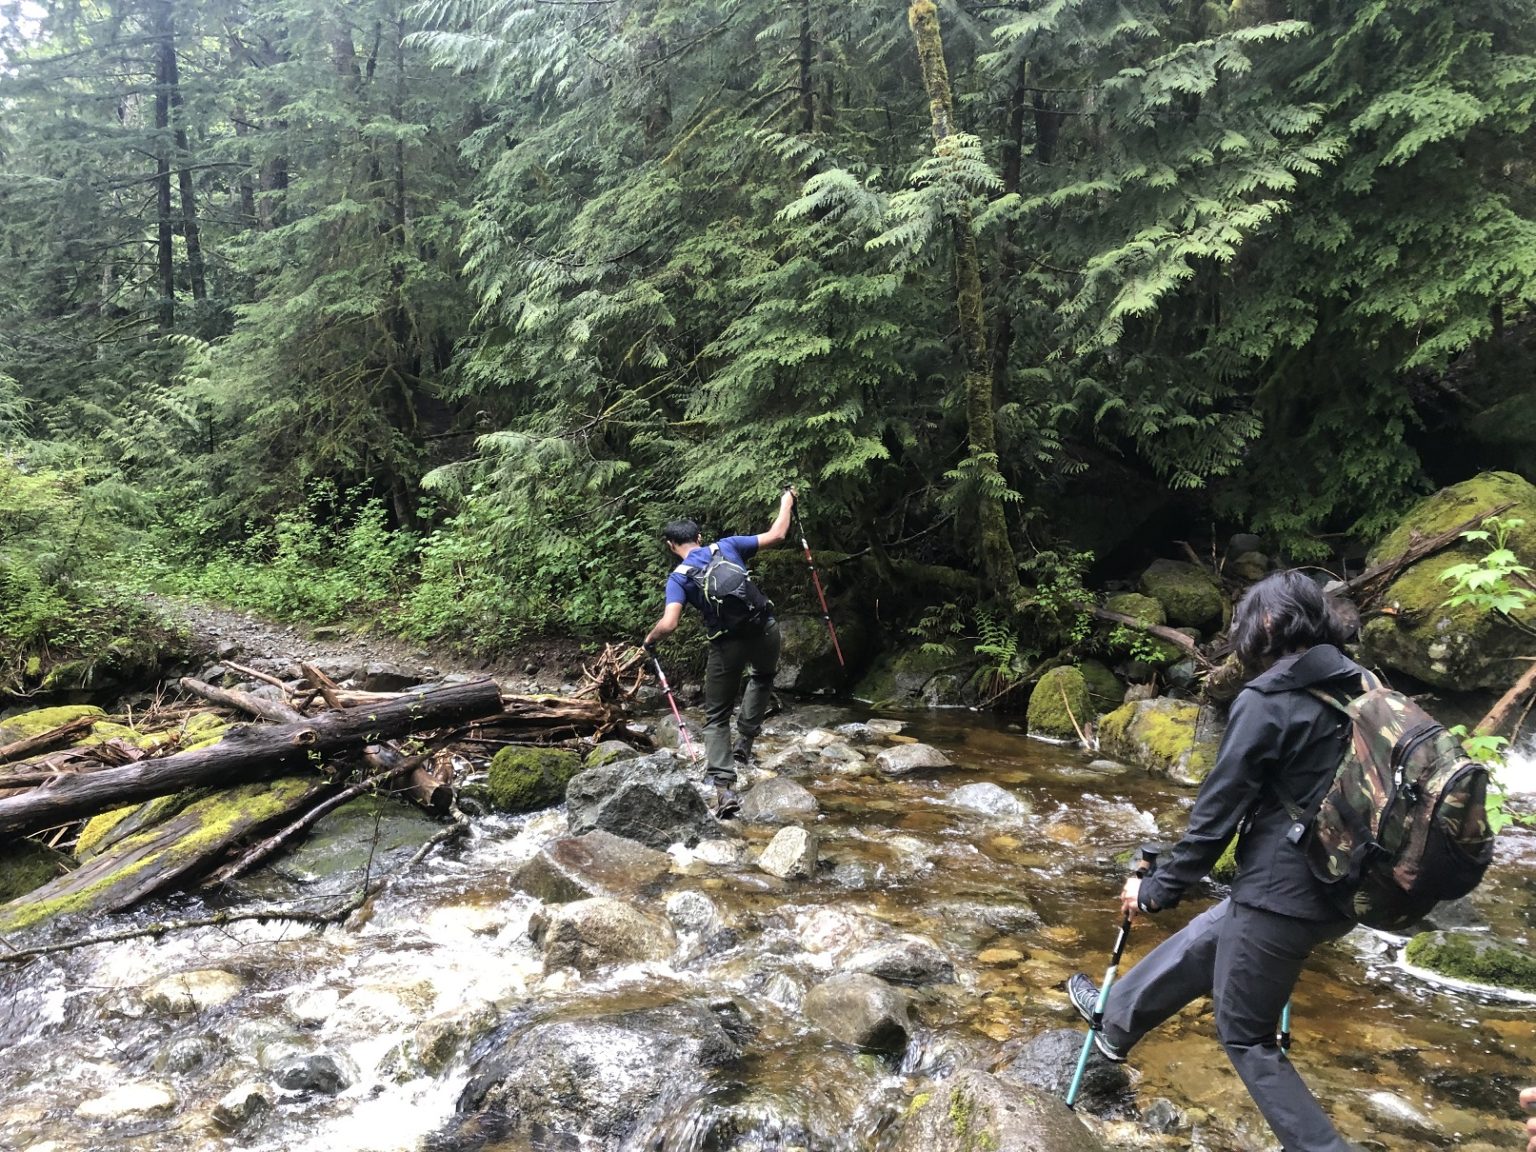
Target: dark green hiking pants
[{"x": 729, "y": 658}]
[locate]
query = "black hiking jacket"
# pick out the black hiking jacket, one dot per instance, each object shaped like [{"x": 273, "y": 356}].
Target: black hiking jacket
[{"x": 1277, "y": 732}]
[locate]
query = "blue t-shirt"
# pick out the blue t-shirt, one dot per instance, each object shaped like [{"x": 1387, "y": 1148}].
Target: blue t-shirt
[{"x": 681, "y": 590}]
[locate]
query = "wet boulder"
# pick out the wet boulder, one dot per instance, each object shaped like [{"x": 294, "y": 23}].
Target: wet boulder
[
  {"x": 973, "y": 1110},
  {"x": 1466, "y": 647},
  {"x": 1049, "y": 1060},
  {"x": 593, "y": 1079},
  {"x": 438, "y": 1039},
  {"x": 129, "y": 1103},
  {"x": 1166, "y": 737},
  {"x": 907, "y": 758},
  {"x": 778, "y": 801},
  {"x": 312, "y": 1074},
  {"x": 651, "y": 799},
  {"x": 1105, "y": 691},
  {"x": 241, "y": 1106},
  {"x": 1391, "y": 1113},
  {"x": 609, "y": 751},
  {"x": 522, "y": 779},
  {"x": 1187, "y": 592},
  {"x": 590, "y": 934},
  {"x": 807, "y": 663},
  {"x": 861, "y": 1010},
  {"x": 912, "y": 960},
  {"x": 792, "y": 853},
  {"x": 187, "y": 992},
  {"x": 596, "y": 863},
  {"x": 1058, "y": 705},
  {"x": 987, "y": 799}
]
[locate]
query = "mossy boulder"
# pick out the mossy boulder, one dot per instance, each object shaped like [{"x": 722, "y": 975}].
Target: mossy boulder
[
  {"x": 1224, "y": 871},
  {"x": 1121, "y": 641},
  {"x": 1466, "y": 647},
  {"x": 1105, "y": 691},
  {"x": 522, "y": 779},
  {"x": 1191, "y": 598},
  {"x": 1474, "y": 957},
  {"x": 1164, "y": 736},
  {"x": 1059, "y": 707},
  {"x": 609, "y": 751},
  {"x": 26, "y": 866},
  {"x": 917, "y": 678}
]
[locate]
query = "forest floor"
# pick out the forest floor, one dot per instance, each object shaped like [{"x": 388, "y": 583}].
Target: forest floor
[{"x": 547, "y": 664}]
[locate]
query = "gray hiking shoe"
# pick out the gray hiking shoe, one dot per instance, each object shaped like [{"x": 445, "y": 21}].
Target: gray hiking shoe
[
  {"x": 726, "y": 805},
  {"x": 1085, "y": 997}
]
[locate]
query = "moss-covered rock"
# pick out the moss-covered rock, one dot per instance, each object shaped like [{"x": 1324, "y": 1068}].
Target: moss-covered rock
[
  {"x": 914, "y": 678},
  {"x": 1104, "y": 688},
  {"x": 1224, "y": 871},
  {"x": 1059, "y": 707},
  {"x": 1474, "y": 957},
  {"x": 26, "y": 866},
  {"x": 1123, "y": 642},
  {"x": 522, "y": 779},
  {"x": 1464, "y": 647},
  {"x": 1186, "y": 591},
  {"x": 1161, "y": 735},
  {"x": 607, "y": 752},
  {"x": 26, "y": 725}
]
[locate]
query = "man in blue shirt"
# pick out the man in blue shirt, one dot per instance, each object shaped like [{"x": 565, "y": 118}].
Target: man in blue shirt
[{"x": 752, "y": 644}]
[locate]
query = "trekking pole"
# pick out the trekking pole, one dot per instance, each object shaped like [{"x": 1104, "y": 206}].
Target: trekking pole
[
  {"x": 682, "y": 725},
  {"x": 1149, "y": 857},
  {"x": 826, "y": 614},
  {"x": 1285, "y": 1027}
]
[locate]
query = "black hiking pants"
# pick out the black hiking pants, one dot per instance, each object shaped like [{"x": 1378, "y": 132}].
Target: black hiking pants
[
  {"x": 1247, "y": 961},
  {"x": 729, "y": 657}
]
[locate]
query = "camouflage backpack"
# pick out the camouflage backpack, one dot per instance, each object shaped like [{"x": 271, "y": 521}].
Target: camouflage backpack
[{"x": 1404, "y": 824}]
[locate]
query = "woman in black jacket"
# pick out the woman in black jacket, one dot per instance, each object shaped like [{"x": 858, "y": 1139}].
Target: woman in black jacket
[{"x": 1247, "y": 952}]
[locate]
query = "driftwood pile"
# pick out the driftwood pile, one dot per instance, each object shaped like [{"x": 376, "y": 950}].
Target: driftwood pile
[{"x": 318, "y": 743}]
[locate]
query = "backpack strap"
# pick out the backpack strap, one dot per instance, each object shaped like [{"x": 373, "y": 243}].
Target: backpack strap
[{"x": 1305, "y": 814}]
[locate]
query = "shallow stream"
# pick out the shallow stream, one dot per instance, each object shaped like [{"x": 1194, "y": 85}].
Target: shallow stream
[{"x": 1016, "y": 902}]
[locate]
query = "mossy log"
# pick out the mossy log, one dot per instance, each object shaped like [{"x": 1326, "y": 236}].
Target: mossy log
[{"x": 246, "y": 753}]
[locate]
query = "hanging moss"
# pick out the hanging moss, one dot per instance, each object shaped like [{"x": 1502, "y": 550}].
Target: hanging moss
[{"x": 522, "y": 779}]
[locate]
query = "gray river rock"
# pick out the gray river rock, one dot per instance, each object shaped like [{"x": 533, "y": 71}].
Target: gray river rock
[
  {"x": 597, "y": 1077},
  {"x": 652, "y": 799},
  {"x": 974, "y": 1110},
  {"x": 596, "y": 863},
  {"x": 861, "y": 1010},
  {"x": 778, "y": 800},
  {"x": 590, "y": 934},
  {"x": 1049, "y": 1060}
]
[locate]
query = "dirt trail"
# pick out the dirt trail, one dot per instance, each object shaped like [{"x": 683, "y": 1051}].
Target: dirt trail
[{"x": 248, "y": 638}]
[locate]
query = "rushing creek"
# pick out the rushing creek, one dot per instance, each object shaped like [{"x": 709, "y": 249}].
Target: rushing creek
[{"x": 1016, "y": 901}]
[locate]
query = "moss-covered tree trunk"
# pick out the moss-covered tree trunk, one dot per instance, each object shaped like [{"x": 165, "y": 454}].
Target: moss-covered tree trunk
[{"x": 997, "y": 561}]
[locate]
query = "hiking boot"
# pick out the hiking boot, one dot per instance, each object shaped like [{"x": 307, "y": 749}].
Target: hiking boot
[
  {"x": 1085, "y": 997},
  {"x": 725, "y": 805},
  {"x": 742, "y": 752}
]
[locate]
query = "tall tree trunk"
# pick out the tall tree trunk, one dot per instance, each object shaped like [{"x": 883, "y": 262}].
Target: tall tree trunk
[
  {"x": 998, "y": 564},
  {"x": 189, "y": 233},
  {"x": 164, "y": 227},
  {"x": 807, "y": 55},
  {"x": 1007, "y": 254}
]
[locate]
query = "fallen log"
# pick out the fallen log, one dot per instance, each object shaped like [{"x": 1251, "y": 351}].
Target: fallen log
[
  {"x": 1177, "y": 639},
  {"x": 1498, "y": 715},
  {"x": 59, "y": 737},
  {"x": 410, "y": 775},
  {"x": 256, "y": 706},
  {"x": 1371, "y": 584},
  {"x": 247, "y": 752}
]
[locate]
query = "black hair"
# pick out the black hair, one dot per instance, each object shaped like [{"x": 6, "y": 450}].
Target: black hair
[
  {"x": 1284, "y": 612},
  {"x": 681, "y": 532}
]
